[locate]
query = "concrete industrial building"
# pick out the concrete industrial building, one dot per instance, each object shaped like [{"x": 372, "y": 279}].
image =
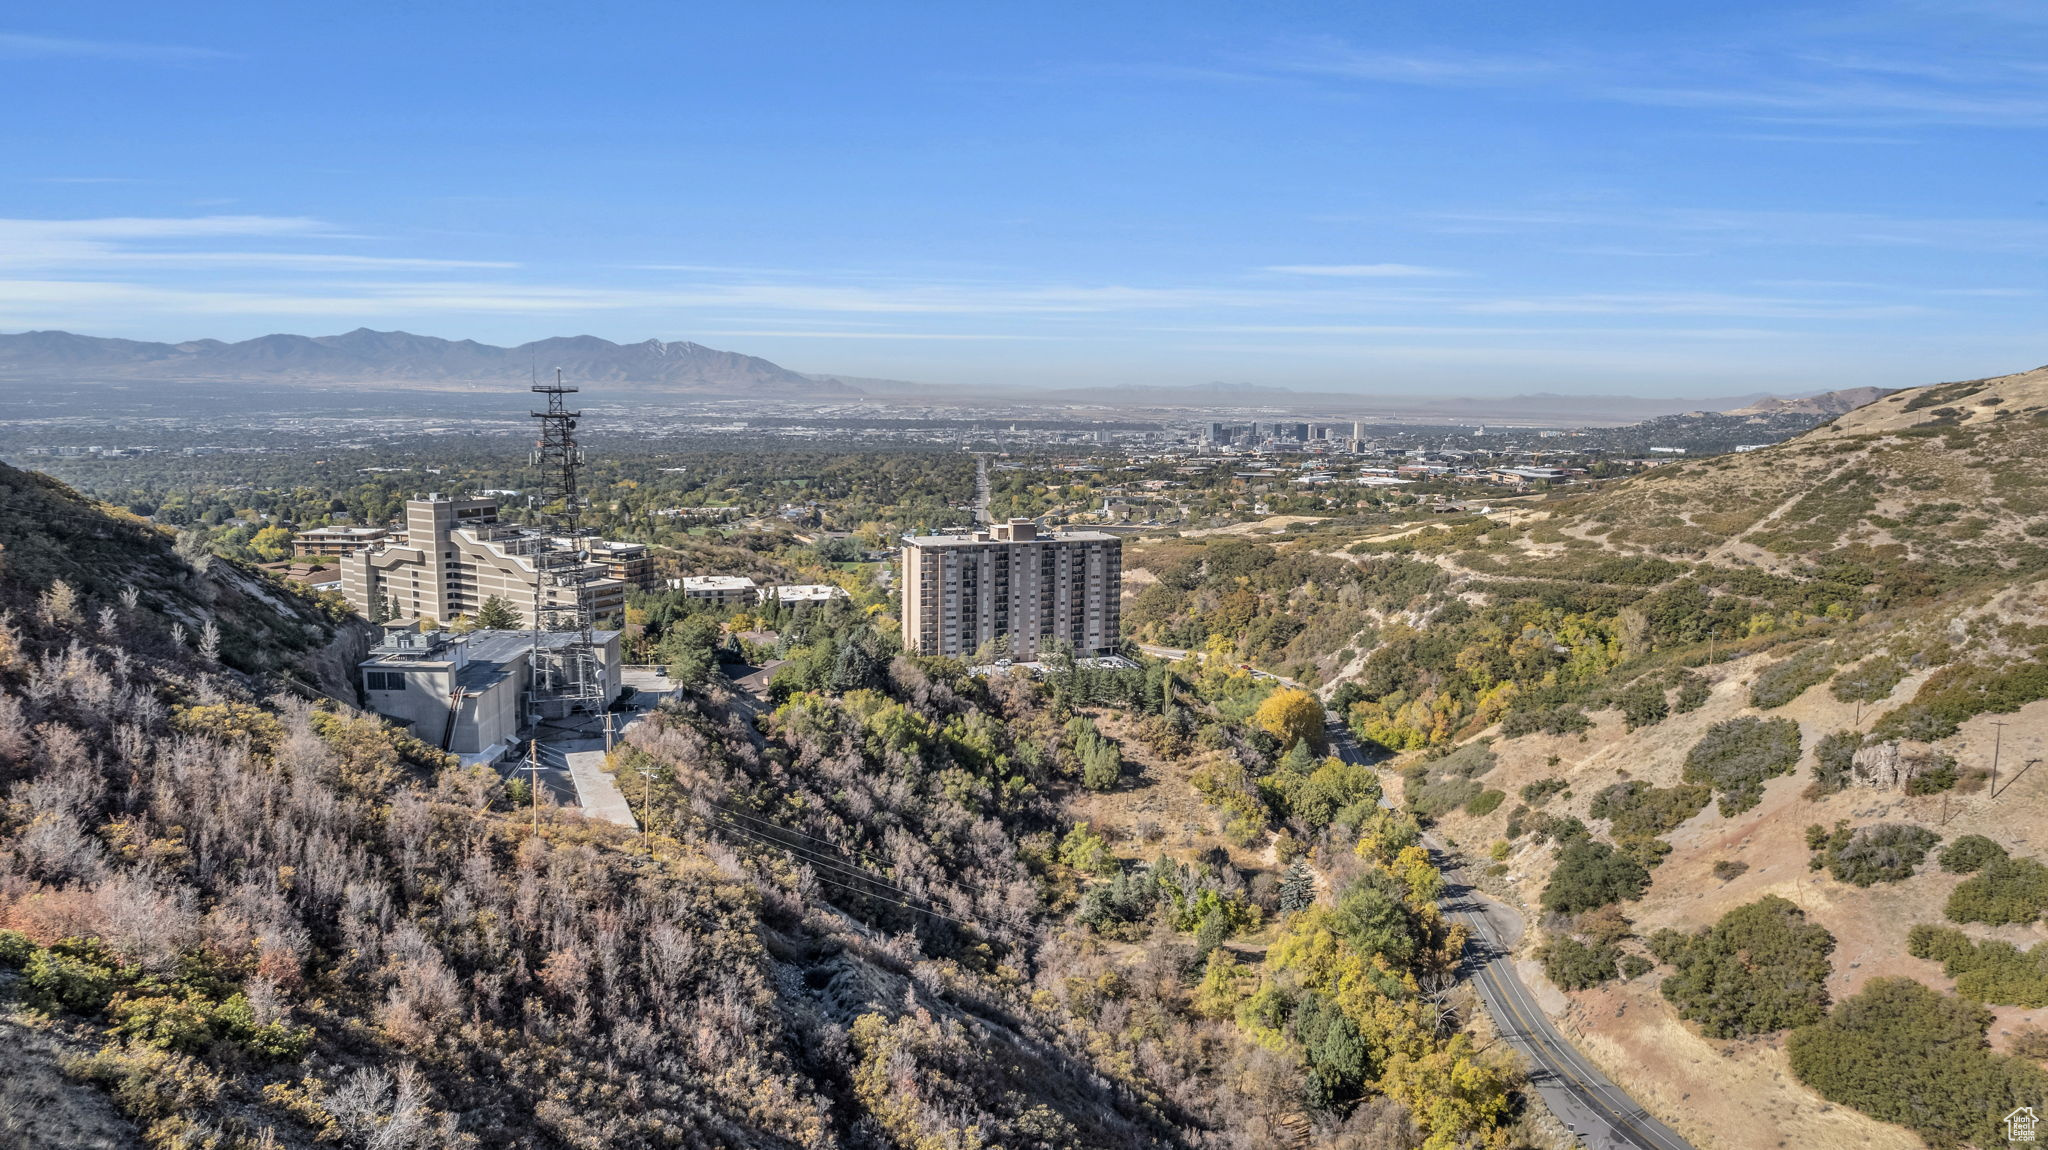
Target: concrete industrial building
[
  {"x": 1015, "y": 583},
  {"x": 469, "y": 694},
  {"x": 455, "y": 555}
]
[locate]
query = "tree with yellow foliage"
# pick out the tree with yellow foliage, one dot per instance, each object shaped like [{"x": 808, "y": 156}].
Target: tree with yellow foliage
[
  {"x": 1292, "y": 716},
  {"x": 272, "y": 544},
  {"x": 1459, "y": 1096}
]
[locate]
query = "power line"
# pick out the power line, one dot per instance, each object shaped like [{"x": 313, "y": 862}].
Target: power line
[
  {"x": 816, "y": 858},
  {"x": 958, "y": 888},
  {"x": 815, "y": 861},
  {"x": 822, "y": 871},
  {"x": 729, "y": 809},
  {"x": 905, "y": 905}
]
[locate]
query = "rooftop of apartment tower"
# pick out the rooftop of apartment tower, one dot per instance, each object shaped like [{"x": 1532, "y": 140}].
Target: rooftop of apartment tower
[{"x": 1014, "y": 531}]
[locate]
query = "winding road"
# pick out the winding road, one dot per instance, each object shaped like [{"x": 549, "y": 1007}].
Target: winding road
[
  {"x": 1585, "y": 1100},
  {"x": 1590, "y": 1105}
]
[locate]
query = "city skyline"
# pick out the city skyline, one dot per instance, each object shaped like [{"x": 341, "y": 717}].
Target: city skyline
[{"x": 1596, "y": 198}]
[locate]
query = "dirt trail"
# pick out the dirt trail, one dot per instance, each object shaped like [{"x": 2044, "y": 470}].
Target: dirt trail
[{"x": 1731, "y": 548}]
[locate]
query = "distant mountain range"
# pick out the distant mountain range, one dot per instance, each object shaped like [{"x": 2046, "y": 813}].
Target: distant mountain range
[
  {"x": 365, "y": 356},
  {"x": 653, "y": 368}
]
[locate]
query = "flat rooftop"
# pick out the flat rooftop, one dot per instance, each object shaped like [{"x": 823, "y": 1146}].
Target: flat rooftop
[
  {"x": 971, "y": 539},
  {"x": 717, "y": 583},
  {"x": 795, "y": 592},
  {"x": 481, "y": 646}
]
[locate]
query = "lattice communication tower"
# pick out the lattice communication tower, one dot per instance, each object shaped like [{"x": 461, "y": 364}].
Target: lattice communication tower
[
  {"x": 567, "y": 675},
  {"x": 559, "y": 458}
]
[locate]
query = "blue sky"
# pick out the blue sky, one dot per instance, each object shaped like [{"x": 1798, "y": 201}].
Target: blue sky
[{"x": 1645, "y": 198}]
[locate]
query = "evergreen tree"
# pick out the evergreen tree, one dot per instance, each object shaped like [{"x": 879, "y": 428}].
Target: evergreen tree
[
  {"x": 497, "y": 615},
  {"x": 1213, "y": 933},
  {"x": 1102, "y": 761},
  {"x": 1298, "y": 888},
  {"x": 1299, "y": 759},
  {"x": 856, "y": 668}
]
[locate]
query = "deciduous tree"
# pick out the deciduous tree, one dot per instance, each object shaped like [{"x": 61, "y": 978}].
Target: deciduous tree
[{"x": 1292, "y": 716}]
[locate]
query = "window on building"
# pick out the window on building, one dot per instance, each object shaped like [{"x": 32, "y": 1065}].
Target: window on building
[{"x": 384, "y": 680}]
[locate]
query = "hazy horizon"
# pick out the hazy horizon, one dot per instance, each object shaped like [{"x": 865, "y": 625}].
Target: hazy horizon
[{"x": 1654, "y": 200}]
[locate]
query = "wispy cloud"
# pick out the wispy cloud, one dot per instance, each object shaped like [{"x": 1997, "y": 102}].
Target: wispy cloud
[
  {"x": 1330, "y": 56},
  {"x": 1468, "y": 331},
  {"x": 829, "y": 310},
  {"x": 96, "y": 245},
  {"x": 121, "y": 272},
  {"x": 1689, "y": 303},
  {"x": 157, "y": 227},
  {"x": 1358, "y": 271},
  {"x": 942, "y": 336},
  {"x": 296, "y": 261},
  {"x": 1810, "y": 137},
  {"x": 1843, "y": 98},
  {"x": 24, "y": 46},
  {"x": 1901, "y": 66},
  {"x": 1776, "y": 228}
]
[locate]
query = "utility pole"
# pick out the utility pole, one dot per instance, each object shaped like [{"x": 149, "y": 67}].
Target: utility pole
[
  {"x": 1997, "y": 738},
  {"x": 646, "y": 800},
  {"x": 533, "y": 774}
]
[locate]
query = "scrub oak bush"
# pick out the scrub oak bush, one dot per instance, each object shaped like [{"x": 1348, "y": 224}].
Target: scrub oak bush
[
  {"x": 2004, "y": 890},
  {"x": 1763, "y": 967},
  {"x": 1865, "y": 856},
  {"x": 1901, "y": 1052},
  {"x": 1591, "y": 874},
  {"x": 1737, "y": 756}
]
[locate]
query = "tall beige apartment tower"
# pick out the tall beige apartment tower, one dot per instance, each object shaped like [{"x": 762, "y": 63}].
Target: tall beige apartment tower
[{"x": 1012, "y": 582}]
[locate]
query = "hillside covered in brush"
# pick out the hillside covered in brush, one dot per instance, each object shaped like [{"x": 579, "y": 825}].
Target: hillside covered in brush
[
  {"x": 237, "y": 914},
  {"x": 1725, "y": 731},
  {"x": 155, "y": 592}
]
